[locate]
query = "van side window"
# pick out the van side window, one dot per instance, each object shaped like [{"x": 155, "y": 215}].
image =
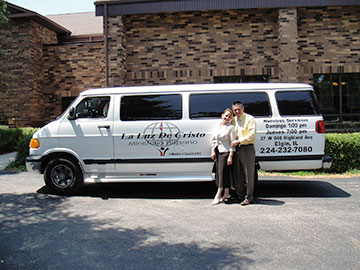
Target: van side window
[
  {"x": 212, "y": 105},
  {"x": 93, "y": 107},
  {"x": 297, "y": 103},
  {"x": 151, "y": 107}
]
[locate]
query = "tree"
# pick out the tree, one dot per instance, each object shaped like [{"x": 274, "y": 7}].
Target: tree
[
  {"x": 3, "y": 18},
  {"x": 3, "y": 12}
]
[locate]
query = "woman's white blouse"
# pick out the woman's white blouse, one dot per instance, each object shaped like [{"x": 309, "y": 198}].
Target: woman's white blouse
[{"x": 223, "y": 137}]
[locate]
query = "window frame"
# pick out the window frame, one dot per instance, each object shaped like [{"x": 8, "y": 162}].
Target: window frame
[
  {"x": 94, "y": 97},
  {"x": 312, "y": 95},
  {"x": 230, "y": 104},
  {"x": 178, "y": 113}
]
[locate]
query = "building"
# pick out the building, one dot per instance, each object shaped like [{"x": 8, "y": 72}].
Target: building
[
  {"x": 43, "y": 66},
  {"x": 200, "y": 41}
]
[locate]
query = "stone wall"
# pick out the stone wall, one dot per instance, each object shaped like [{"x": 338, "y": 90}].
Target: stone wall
[{"x": 68, "y": 70}]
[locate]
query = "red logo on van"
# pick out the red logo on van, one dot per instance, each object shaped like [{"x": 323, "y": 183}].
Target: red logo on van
[{"x": 161, "y": 135}]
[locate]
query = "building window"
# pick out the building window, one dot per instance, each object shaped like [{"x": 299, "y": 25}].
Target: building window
[
  {"x": 65, "y": 102},
  {"x": 339, "y": 97},
  {"x": 242, "y": 79}
]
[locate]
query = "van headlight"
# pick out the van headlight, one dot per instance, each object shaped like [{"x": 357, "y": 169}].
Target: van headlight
[{"x": 34, "y": 143}]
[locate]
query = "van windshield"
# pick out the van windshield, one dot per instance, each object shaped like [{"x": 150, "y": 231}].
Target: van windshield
[
  {"x": 212, "y": 105},
  {"x": 297, "y": 103}
]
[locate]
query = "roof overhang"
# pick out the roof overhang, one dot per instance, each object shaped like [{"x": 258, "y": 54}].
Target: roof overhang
[
  {"x": 127, "y": 7},
  {"x": 16, "y": 12}
]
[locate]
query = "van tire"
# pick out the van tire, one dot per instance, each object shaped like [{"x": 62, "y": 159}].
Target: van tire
[{"x": 63, "y": 176}]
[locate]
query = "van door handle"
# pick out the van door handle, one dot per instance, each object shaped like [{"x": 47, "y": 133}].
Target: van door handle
[{"x": 107, "y": 127}]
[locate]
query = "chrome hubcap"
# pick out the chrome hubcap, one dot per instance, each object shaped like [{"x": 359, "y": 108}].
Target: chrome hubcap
[{"x": 62, "y": 176}]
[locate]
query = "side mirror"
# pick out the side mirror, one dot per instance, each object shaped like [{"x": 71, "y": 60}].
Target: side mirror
[{"x": 72, "y": 115}]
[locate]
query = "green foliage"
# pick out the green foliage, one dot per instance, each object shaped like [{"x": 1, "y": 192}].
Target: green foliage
[
  {"x": 8, "y": 139},
  {"x": 16, "y": 139},
  {"x": 22, "y": 149},
  {"x": 28, "y": 130},
  {"x": 345, "y": 151},
  {"x": 3, "y": 12}
]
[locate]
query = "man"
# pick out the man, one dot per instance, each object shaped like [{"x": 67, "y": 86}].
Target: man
[{"x": 244, "y": 159}]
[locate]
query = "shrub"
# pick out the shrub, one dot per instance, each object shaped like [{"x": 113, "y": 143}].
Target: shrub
[
  {"x": 28, "y": 130},
  {"x": 8, "y": 139},
  {"x": 22, "y": 148},
  {"x": 345, "y": 151}
]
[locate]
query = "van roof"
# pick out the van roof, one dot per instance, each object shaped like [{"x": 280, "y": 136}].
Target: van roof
[{"x": 197, "y": 88}]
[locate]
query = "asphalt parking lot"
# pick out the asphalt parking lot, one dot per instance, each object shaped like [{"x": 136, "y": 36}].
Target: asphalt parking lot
[{"x": 294, "y": 224}]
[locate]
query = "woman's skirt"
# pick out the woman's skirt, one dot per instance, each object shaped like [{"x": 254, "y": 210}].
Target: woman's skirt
[{"x": 223, "y": 174}]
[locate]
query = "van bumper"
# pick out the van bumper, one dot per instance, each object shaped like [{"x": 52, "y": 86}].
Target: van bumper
[
  {"x": 327, "y": 162},
  {"x": 294, "y": 163},
  {"x": 33, "y": 164}
]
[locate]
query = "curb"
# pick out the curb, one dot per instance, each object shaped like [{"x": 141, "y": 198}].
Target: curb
[{"x": 5, "y": 159}]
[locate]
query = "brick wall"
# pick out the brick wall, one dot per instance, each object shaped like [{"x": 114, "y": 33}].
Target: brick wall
[
  {"x": 21, "y": 70},
  {"x": 329, "y": 41},
  {"x": 68, "y": 70},
  {"x": 193, "y": 47},
  {"x": 39, "y": 37},
  {"x": 34, "y": 77},
  {"x": 172, "y": 48},
  {"x": 117, "y": 51},
  {"x": 288, "y": 44}
]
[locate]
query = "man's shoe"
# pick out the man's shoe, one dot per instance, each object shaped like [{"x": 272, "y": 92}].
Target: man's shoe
[
  {"x": 235, "y": 200},
  {"x": 245, "y": 202},
  {"x": 228, "y": 200},
  {"x": 223, "y": 199}
]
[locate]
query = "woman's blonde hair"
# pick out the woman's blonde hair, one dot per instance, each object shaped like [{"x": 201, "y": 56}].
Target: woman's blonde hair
[{"x": 228, "y": 110}]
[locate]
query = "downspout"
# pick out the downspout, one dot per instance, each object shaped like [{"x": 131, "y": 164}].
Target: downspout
[{"x": 106, "y": 46}]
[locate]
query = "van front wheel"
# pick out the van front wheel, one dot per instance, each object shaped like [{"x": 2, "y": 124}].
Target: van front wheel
[{"x": 63, "y": 176}]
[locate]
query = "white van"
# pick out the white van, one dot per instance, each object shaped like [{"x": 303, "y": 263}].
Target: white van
[{"x": 163, "y": 133}]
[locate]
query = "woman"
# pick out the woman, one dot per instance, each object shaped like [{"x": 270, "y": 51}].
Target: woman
[{"x": 222, "y": 153}]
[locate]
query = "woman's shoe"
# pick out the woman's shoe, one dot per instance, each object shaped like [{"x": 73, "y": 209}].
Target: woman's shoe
[{"x": 216, "y": 201}]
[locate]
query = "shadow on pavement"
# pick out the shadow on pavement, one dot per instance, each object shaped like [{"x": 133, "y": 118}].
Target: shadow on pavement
[
  {"x": 206, "y": 190},
  {"x": 270, "y": 202},
  {"x": 299, "y": 188},
  {"x": 38, "y": 232},
  {"x": 193, "y": 190}
]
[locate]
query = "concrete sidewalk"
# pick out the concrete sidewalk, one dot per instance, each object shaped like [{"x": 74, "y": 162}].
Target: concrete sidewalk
[{"x": 5, "y": 159}]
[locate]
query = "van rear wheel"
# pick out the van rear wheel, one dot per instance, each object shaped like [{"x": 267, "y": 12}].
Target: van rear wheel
[{"x": 63, "y": 176}]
